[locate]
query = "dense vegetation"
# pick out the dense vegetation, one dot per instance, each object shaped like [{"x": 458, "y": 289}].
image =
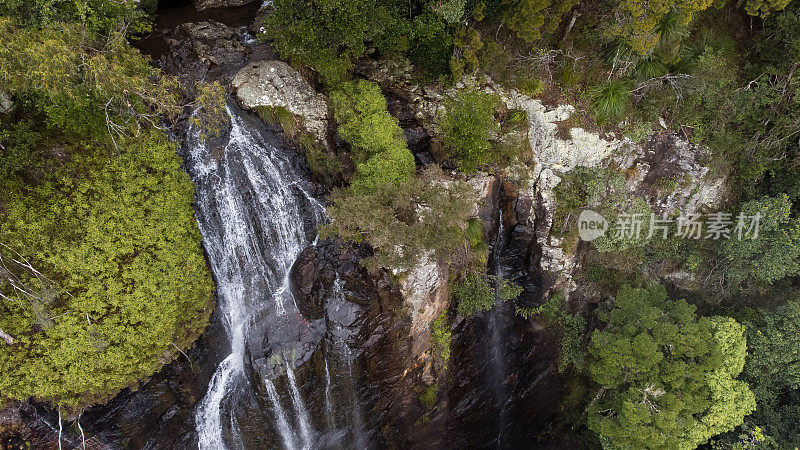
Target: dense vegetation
[
  {"x": 656, "y": 372},
  {"x": 102, "y": 277}
]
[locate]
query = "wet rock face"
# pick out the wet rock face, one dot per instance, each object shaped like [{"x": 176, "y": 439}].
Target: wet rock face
[
  {"x": 378, "y": 330},
  {"x": 275, "y": 84},
  {"x": 207, "y": 51},
  {"x": 318, "y": 269},
  {"x": 206, "y": 4},
  {"x": 203, "y": 47}
]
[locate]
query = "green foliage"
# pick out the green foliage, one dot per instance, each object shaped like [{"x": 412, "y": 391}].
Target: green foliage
[
  {"x": 323, "y": 165},
  {"x": 210, "y": 116},
  {"x": 532, "y": 87},
  {"x": 114, "y": 282},
  {"x": 770, "y": 256},
  {"x": 611, "y": 100},
  {"x": 763, "y": 8},
  {"x": 667, "y": 378},
  {"x": 477, "y": 240},
  {"x": 115, "y": 232},
  {"x": 525, "y": 17},
  {"x": 98, "y": 17},
  {"x": 428, "y": 397},
  {"x": 278, "y": 115},
  {"x": 378, "y": 145},
  {"x": 602, "y": 190},
  {"x": 18, "y": 145},
  {"x": 388, "y": 168},
  {"x": 468, "y": 127},
  {"x": 328, "y": 35},
  {"x": 422, "y": 216},
  {"x": 431, "y": 44},
  {"x": 773, "y": 372},
  {"x": 450, "y": 10},
  {"x": 81, "y": 90},
  {"x": 643, "y": 24},
  {"x": 467, "y": 47},
  {"x": 441, "y": 339},
  {"x": 476, "y": 292}
]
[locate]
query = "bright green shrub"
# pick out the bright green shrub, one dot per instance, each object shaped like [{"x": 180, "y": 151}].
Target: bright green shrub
[
  {"x": 478, "y": 292},
  {"x": 363, "y": 120},
  {"x": 378, "y": 145},
  {"x": 115, "y": 232},
  {"x": 441, "y": 338},
  {"x": 390, "y": 167}
]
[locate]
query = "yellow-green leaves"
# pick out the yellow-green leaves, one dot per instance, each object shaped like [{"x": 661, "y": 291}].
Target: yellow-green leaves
[{"x": 117, "y": 235}]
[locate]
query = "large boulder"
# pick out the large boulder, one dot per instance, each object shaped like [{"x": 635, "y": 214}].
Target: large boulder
[{"x": 273, "y": 84}]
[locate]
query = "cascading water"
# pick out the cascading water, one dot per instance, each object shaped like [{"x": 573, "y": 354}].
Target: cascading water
[
  {"x": 251, "y": 214},
  {"x": 497, "y": 329},
  {"x": 338, "y": 351}
]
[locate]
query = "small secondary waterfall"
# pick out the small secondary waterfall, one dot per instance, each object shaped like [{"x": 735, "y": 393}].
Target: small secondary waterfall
[
  {"x": 497, "y": 330},
  {"x": 254, "y": 220},
  {"x": 345, "y": 386}
]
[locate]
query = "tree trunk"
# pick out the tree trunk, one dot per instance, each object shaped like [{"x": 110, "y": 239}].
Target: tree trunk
[
  {"x": 9, "y": 340},
  {"x": 571, "y": 24}
]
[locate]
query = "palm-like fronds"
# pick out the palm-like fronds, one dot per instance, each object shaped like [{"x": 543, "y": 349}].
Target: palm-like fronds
[{"x": 611, "y": 100}]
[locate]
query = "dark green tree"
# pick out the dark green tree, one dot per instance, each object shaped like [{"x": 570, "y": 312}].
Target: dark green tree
[
  {"x": 328, "y": 35},
  {"x": 468, "y": 127}
]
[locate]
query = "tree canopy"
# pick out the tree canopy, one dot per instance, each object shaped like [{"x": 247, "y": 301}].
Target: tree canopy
[{"x": 667, "y": 378}]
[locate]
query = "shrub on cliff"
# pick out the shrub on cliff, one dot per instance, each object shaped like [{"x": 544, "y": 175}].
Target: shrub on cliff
[
  {"x": 476, "y": 291},
  {"x": 378, "y": 146},
  {"x": 468, "y": 127},
  {"x": 422, "y": 216}
]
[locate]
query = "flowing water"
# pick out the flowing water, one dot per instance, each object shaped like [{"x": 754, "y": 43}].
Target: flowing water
[
  {"x": 255, "y": 220},
  {"x": 498, "y": 330}
]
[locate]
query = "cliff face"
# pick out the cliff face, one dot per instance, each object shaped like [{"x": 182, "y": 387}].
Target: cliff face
[{"x": 386, "y": 319}]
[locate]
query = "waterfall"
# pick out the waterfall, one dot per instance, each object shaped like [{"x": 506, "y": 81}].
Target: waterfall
[
  {"x": 328, "y": 402},
  {"x": 280, "y": 416},
  {"x": 299, "y": 408},
  {"x": 347, "y": 387},
  {"x": 251, "y": 214},
  {"x": 498, "y": 328}
]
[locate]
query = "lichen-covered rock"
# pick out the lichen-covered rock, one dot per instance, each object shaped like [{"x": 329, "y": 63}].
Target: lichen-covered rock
[
  {"x": 6, "y": 103},
  {"x": 426, "y": 292},
  {"x": 664, "y": 156},
  {"x": 274, "y": 84}
]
